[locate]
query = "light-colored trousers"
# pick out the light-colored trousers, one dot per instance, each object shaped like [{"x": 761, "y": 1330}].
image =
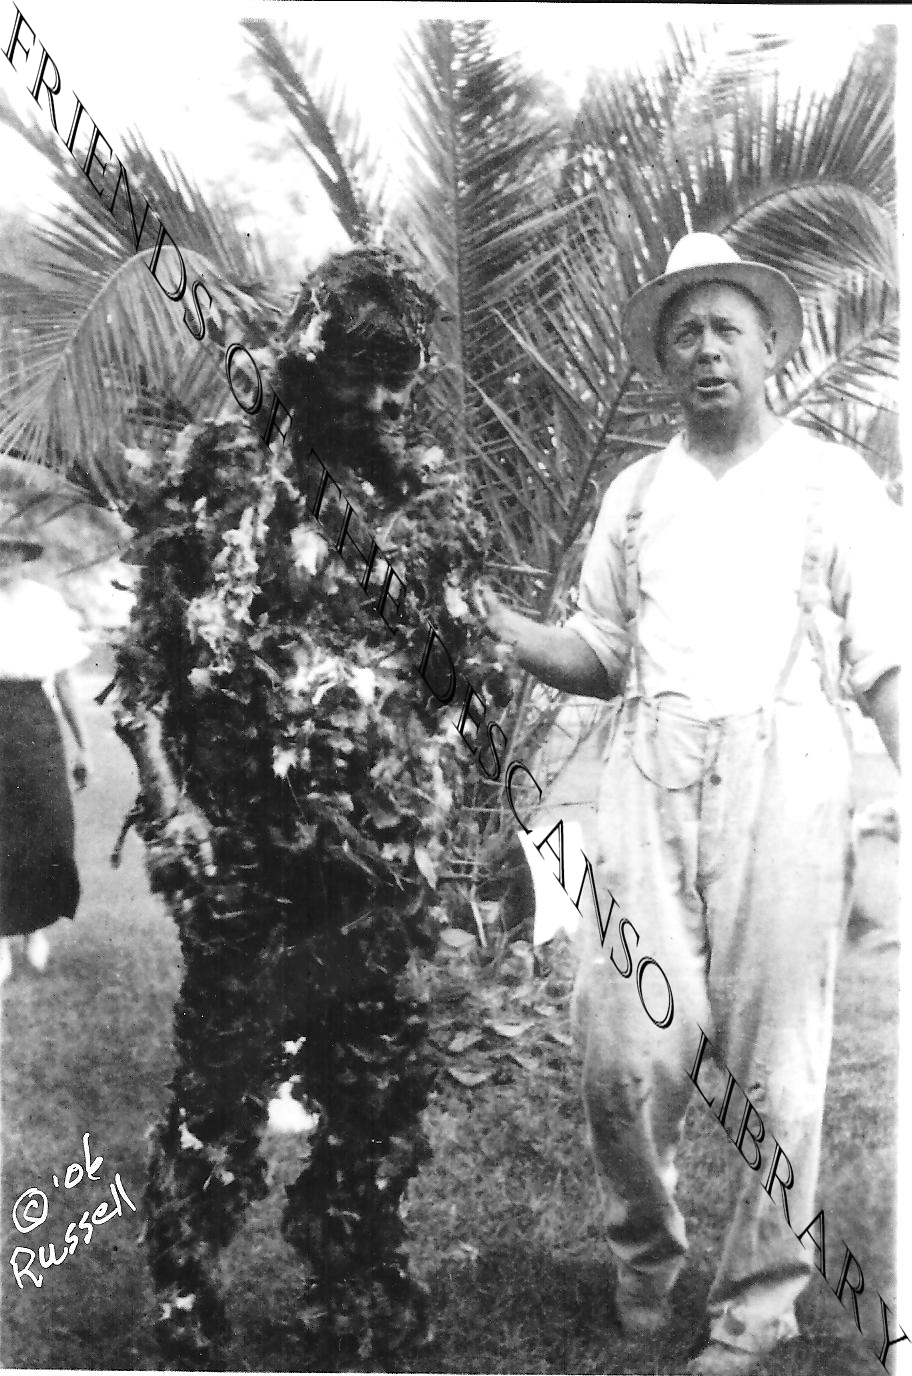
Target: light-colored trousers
[{"x": 732, "y": 861}]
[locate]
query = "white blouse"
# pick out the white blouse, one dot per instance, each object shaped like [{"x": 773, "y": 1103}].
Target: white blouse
[{"x": 40, "y": 635}]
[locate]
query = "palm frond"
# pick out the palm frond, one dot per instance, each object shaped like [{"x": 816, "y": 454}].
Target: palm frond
[
  {"x": 480, "y": 216},
  {"x": 207, "y": 222},
  {"x": 849, "y": 359},
  {"x": 322, "y": 128},
  {"x": 91, "y": 349},
  {"x": 74, "y": 380}
]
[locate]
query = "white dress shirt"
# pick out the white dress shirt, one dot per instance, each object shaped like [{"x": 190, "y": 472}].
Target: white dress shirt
[{"x": 720, "y": 566}]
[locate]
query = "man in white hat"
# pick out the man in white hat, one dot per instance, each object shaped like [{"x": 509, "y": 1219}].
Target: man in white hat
[{"x": 729, "y": 581}]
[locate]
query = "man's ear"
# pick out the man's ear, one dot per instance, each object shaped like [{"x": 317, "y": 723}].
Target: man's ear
[{"x": 770, "y": 348}]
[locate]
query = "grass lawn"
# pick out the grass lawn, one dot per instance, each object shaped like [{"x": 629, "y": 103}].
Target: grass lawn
[{"x": 505, "y": 1221}]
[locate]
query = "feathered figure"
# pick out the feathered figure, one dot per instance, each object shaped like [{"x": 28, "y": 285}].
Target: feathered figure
[{"x": 295, "y": 791}]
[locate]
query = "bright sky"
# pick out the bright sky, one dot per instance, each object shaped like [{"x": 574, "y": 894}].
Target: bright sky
[{"x": 170, "y": 70}]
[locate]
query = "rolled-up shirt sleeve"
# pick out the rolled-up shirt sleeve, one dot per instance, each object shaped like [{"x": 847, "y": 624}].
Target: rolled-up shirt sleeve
[
  {"x": 600, "y": 618},
  {"x": 865, "y": 579}
]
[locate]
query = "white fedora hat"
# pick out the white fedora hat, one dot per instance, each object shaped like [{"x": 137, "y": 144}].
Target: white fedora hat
[{"x": 701, "y": 258}]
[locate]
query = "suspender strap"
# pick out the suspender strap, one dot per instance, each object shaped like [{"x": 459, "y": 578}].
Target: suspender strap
[
  {"x": 800, "y": 630},
  {"x": 646, "y": 474},
  {"x": 809, "y": 586},
  {"x": 812, "y": 588},
  {"x": 812, "y": 592}
]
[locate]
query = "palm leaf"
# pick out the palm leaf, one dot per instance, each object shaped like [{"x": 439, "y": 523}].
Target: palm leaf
[
  {"x": 79, "y": 380},
  {"x": 480, "y": 214},
  {"x": 847, "y": 365},
  {"x": 321, "y": 127},
  {"x": 89, "y": 342}
]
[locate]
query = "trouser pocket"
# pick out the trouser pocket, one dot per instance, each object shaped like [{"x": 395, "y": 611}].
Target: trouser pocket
[{"x": 668, "y": 750}]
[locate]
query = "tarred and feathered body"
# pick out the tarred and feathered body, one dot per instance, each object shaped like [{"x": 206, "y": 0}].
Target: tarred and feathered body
[{"x": 281, "y": 731}]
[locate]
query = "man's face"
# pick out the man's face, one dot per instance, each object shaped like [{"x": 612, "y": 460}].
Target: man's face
[{"x": 718, "y": 350}]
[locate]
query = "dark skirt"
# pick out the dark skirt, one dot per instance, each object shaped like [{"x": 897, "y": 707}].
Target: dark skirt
[{"x": 38, "y": 878}]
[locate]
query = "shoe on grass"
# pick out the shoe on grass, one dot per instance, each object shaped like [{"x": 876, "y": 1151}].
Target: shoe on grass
[
  {"x": 37, "y": 950},
  {"x": 719, "y": 1359}
]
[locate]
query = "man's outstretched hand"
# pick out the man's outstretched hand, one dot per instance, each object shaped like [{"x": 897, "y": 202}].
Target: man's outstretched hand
[{"x": 554, "y": 654}]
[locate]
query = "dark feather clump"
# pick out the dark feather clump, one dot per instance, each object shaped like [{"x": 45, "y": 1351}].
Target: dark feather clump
[{"x": 294, "y": 737}]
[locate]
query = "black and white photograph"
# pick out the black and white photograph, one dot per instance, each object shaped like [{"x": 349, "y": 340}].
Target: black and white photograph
[{"x": 452, "y": 601}]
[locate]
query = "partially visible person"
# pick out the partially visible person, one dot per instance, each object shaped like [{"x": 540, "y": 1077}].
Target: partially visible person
[{"x": 40, "y": 641}]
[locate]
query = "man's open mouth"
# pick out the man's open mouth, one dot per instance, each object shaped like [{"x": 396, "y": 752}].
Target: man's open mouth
[{"x": 710, "y": 386}]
